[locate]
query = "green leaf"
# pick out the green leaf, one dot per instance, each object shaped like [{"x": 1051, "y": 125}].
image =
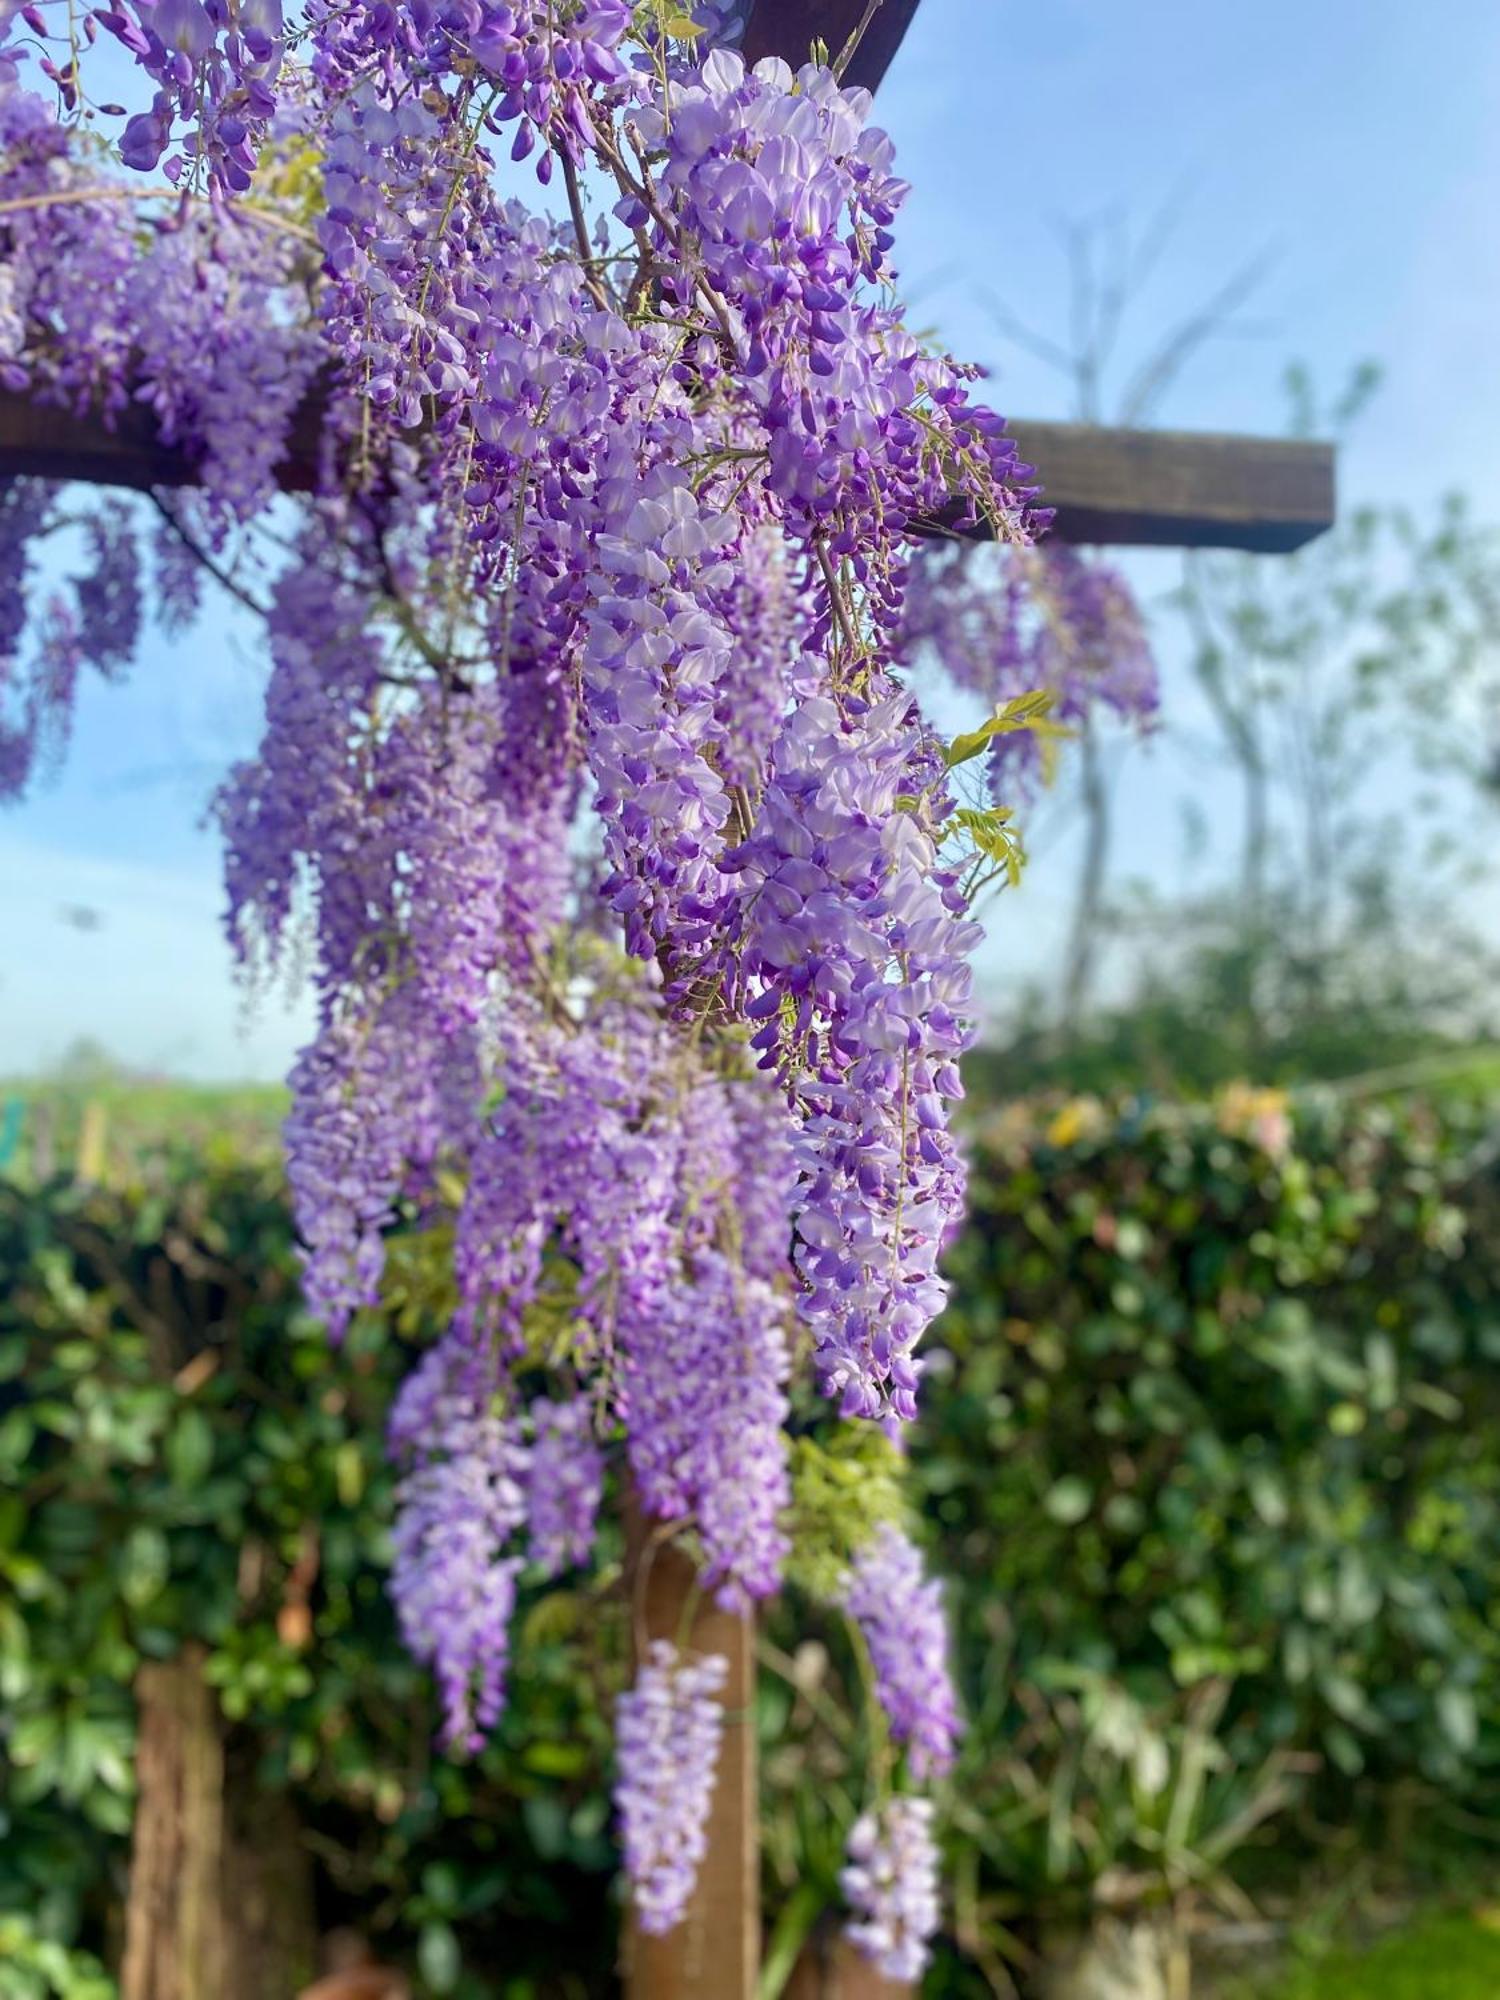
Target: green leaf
[
  {"x": 794, "y": 1925},
  {"x": 144, "y": 1563},
  {"x": 1457, "y": 1718},
  {"x": 556, "y": 1760},
  {"x": 1069, "y": 1500},
  {"x": 190, "y": 1448},
  {"x": 349, "y": 1472},
  {"x": 438, "y": 1957},
  {"x": 1022, "y": 712},
  {"x": 547, "y": 1823}
]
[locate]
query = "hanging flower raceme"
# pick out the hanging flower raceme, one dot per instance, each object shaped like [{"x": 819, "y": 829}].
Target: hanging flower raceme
[
  {"x": 668, "y": 1729},
  {"x": 890, "y": 1882},
  {"x": 853, "y": 946},
  {"x": 899, "y": 1612},
  {"x": 460, "y": 1503},
  {"x": 564, "y": 1483},
  {"x": 1026, "y": 620}
]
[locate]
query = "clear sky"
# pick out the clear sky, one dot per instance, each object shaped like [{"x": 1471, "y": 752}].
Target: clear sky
[{"x": 1355, "y": 142}]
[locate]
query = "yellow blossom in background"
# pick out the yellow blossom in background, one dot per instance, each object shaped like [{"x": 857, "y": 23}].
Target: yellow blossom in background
[
  {"x": 1257, "y": 1113},
  {"x": 1079, "y": 1118}
]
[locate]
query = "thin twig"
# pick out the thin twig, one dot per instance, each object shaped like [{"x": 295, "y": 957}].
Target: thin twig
[
  {"x": 847, "y": 52},
  {"x": 264, "y": 218},
  {"x": 840, "y": 609},
  {"x": 1160, "y": 368},
  {"x": 581, "y": 230},
  {"x": 1014, "y": 329},
  {"x": 200, "y": 555},
  {"x": 60, "y": 197}
]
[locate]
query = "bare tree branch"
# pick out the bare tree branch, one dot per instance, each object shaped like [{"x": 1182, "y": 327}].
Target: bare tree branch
[
  {"x": 200, "y": 555},
  {"x": 1161, "y": 368}
]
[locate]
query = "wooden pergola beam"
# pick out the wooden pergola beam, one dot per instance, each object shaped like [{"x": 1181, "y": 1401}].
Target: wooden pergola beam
[
  {"x": 1154, "y": 489},
  {"x": 1180, "y": 489},
  {"x": 789, "y": 28},
  {"x": 40, "y": 441}
]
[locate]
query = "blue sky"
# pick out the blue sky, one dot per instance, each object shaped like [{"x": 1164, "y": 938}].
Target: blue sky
[{"x": 1354, "y": 141}]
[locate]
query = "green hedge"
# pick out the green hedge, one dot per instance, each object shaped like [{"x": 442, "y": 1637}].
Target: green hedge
[
  {"x": 1213, "y": 1450},
  {"x": 183, "y": 1456},
  {"x": 1211, "y": 1453}
]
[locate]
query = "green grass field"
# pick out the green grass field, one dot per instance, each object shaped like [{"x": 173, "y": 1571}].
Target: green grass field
[{"x": 104, "y": 1127}]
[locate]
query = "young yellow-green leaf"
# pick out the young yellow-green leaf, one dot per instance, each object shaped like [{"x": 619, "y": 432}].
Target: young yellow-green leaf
[{"x": 1023, "y": 711}]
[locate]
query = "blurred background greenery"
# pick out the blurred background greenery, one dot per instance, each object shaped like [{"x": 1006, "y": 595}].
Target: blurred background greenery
[{"x": 1210, "y": 1453}]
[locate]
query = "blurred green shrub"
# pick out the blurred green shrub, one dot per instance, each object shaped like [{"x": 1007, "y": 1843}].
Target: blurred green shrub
[
  {"x": 183, "y": 1456},
  {"x": 1211, "y": 1449}
]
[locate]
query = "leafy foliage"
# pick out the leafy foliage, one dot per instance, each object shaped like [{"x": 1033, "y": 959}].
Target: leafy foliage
[
  {"x": 185, "y": 1457},
  {"x": 1212, "y": 1443},
  {"x": 1216, "y": 1456}
]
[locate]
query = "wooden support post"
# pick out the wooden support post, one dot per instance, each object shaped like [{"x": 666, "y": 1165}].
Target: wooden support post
[
  {"x": 221, "y": 1892},
  {"x": 175, "y": 1947},
  {"x": 714, "y": 1953},
  {"x": 832, "y": 1969}
]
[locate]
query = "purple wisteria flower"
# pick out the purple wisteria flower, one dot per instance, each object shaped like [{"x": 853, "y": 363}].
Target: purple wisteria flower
[
  {"x": 668, "y": 1728},
  {"x": 899, "y": 1611},
  {"x": 459, "y": 1504},
  {"x": 564, "y": 1481},
  {"x": 591, "y": 796},
  {"x": 1015, "y": 621},
  {"x": 890, "y": 1882}
]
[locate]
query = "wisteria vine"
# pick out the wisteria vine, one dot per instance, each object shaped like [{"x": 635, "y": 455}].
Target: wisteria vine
[{"x": 630, "y": 871}]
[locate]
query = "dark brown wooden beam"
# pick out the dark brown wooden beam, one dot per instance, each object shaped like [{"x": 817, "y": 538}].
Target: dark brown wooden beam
[
  {"x": 1180, "y": 489},
  {"x": 1171, "y": 489},
  {"x": 39, "y": 441},
  {"x": 790, "y": 27}
]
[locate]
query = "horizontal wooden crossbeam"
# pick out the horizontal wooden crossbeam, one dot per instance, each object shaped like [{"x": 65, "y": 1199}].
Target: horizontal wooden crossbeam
[
  {"x": 1127, "y": 488},
  {"x": 1180, "y": 489},
  {"x": 40, "y": 441},
  {"x": 790, "y": 27}
]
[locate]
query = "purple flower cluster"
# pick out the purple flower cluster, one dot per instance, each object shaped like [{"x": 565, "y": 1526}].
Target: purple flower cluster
[
  {"x": 589, "y": 638},
  {"x": 215, "y": 359},
  {"x": 345, "y": 1157},
  {"x": 564, "y": 1481},
  {"x": 668, "y": 1199},
  {"x": 900, "y": 1613},
  {"x": 187, "y": 313},
  {"x": 93, "y": 620},
  {"x": 668, "y": 1728},
  {"x": 777, "y": 201},
  {"x": 703, "y": 1368},
  {"x": 459, "y": 1504},
  {"x": 890, "y": 1882},
  {"x": 215, "y": 68},
  {"x": 547, "y": 63},
  {"x": 854, "y": 948}
]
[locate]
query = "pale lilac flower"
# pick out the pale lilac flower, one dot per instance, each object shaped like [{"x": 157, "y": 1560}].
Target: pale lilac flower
[
  {"x": 890, "y": 1882},
  {"x": 564, "y": 1481},
  {"x": 900, "y": 1613},
  {"x": 668, "y": 1728}
]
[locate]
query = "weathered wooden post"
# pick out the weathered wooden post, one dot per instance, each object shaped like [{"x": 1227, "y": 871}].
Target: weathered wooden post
[{"x": 175, "y": 1943}]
